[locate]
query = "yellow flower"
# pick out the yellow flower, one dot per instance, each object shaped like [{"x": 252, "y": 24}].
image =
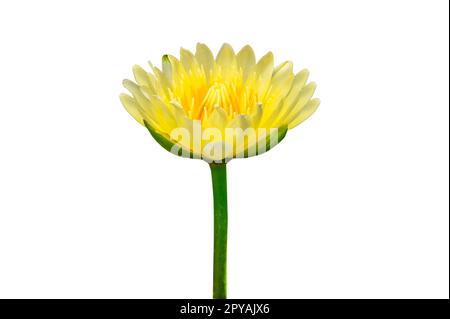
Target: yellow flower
[{"x": 219, "y": 108}]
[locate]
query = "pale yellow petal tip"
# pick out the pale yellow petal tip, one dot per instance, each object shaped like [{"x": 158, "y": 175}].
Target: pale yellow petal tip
[
  {"x": 286, "y": 66},
  {"x": 140, "y": 75},
  {"x": 126, "y": 83},
  {"x": 129, "y": 85},
  {"x": 123, "y": 97},
  {"x": 126, "y": 100},
  {"x": 246, "y": 49},
  {"x": 137, "y": 68},
  {"x": 184, "y": 51},
  {"x": 309, "y": 109},
  {"x": 269, "y": 55},
  {"x": 317, "y": 101},
  {"x": 227, "y": 46},
  {"x": 131, "y": 107},
  {"x": 201, "y": 46},
  {"x": 303, "y": 75},
  {"x": 225, "y": 52},
  {"x": 266, "y": 60},
  {"x": 313, "y": 106}
]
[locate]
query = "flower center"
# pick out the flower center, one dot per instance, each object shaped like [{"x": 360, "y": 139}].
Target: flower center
[{"x": 217, "y": 95}]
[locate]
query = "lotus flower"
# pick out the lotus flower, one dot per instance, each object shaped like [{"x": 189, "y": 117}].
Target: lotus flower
[{"x": 217, "y": 109}]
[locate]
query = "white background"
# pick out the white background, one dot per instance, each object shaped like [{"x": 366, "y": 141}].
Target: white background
[{"x": 352, "y": 204}]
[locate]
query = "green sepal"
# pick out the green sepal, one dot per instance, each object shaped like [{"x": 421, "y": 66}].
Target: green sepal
[
  {"x": 282, "y": 131},
  {"x": 167, "y": 143}
]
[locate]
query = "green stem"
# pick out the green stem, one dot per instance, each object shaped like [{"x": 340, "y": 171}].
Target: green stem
[{"x": 219, "y": 183}]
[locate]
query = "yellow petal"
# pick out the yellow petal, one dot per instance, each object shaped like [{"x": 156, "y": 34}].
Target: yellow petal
[
  {"x": 218, "y": 118},
  {"x": 282, "y": 74},
  {"x": 246, "y": 60},
  {"x": 179, "y": 115},
  {"x": 141, "y": 76},
  {"x": 167, "y": 68},
  {"x": 264, "y": 69},
  {"x": 304, "y": 113},
  {"x": 256, "y": 115},
  {"x": 144, "y": 80},
  {"x": 226, "y": 61},
  {"x": 280, "y": 85},
  {"x": 226, "y": 55},
  {"x": 205, "y": 58},
  {"x": 177, "y": 73},
  {"x": 187, "y": 59},
  {"x": 304, "y": 96},
  {"x": 271, "y": 115},
  {"x": 162, "y": 115},
  {"x": 297, "y": 85},
  {"x": 240, "y": 121},
  {"x": 135, "y": 90},
  {"x": 163, "y": 84},
  {"x": 132, "y": 107}
]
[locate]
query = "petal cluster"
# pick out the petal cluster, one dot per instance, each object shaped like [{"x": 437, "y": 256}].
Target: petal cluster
[{"x": 200, "y": 93}]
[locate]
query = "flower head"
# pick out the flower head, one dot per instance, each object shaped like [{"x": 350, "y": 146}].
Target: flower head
[{"x": 219, "y": 108}]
